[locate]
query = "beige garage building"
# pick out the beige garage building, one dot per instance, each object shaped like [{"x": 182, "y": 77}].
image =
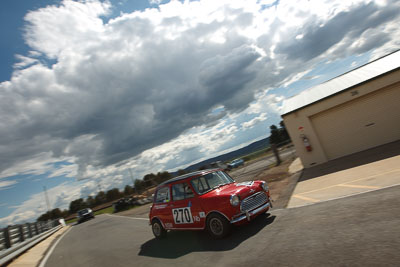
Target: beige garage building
[{"x": 350, "y": 113}]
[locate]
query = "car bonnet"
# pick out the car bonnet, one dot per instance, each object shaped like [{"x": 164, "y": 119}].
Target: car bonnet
[{"x": 243, "y": 190}]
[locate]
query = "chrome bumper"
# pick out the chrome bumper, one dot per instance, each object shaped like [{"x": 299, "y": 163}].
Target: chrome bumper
[{"x": 248, "y": 214}]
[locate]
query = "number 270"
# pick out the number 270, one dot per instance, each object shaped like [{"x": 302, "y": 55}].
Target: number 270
[{"x": 182, "y": 215}]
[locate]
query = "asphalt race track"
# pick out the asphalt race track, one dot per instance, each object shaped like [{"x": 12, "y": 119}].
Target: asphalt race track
[{"x": 362, "y": 230}]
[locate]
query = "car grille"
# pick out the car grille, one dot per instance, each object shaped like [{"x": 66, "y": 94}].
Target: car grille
[{"x": 253, "y": 201}]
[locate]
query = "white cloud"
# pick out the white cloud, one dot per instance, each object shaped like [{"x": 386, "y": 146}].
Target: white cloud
[
  {"x": 24, "y": 61},
  {"x": 288, "y": 81},
  {"x": 266, "y": 102},
  {"x": 36, "y": 165},
  {"x": 251, "y": 123},
  {"x": 139, "y": 90},
  {"x": 6, "y": 184},
  {"x": 70, "y": 170},
  {"x": 33, "y": 207},
  {"x": 41, "y": 164},
  {"x": 52, "y": 30},
  {"x": 155, "y": 2}
]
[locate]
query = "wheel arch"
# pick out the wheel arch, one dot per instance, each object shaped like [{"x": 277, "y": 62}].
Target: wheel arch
[
  {"x": 157, "y": 218},
  {"x": 215, "y": 212}
]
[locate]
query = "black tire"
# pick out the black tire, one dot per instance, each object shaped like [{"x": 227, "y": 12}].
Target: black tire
[
  {"x": 218, "y": 226},
  {"x": 158, "y": 230}
]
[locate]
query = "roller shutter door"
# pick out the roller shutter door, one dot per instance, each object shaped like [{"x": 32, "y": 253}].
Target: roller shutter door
[{"x": 362, "y": 123}]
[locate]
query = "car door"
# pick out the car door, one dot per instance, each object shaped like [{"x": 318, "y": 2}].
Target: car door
[
  {"x": 162, "y": 206},
  {"x": 185, "y": 207}
]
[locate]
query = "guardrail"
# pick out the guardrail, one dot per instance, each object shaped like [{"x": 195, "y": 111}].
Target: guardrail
[
  {"x": 12, "y": 235},
  {"x": 6, "y": 256}
]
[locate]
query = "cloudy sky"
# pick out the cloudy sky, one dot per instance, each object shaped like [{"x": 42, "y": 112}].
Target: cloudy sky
[{"x": 91, "y": 89}]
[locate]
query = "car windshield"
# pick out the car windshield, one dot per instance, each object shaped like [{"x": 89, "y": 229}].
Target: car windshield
[
  {"x": 210, "y": 181},
  {"x": 82, "y": 211}
]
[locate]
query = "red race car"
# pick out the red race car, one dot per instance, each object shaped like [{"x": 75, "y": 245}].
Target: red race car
[{"x": 208, "y": 199}]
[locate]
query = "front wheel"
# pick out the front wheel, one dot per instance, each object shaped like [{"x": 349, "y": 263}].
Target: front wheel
[
  {"x": 158, "y": 230},
  {"x": 218, "y": 226}
]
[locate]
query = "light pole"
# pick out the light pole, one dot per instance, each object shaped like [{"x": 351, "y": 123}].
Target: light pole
[
  {"x": 47, "y": 198},
  {"x": 133, "y": 182}
]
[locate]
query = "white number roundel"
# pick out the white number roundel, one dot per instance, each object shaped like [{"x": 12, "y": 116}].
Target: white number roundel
[{"x": 182, "y": 215}]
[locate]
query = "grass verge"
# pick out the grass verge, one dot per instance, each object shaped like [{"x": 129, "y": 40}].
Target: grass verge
[
  {"x": 73, "y": 220},
  {"x": 103, "y": 211}
]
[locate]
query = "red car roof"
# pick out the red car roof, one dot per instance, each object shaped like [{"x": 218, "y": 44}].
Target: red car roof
[{"x": 188, "y": 175}]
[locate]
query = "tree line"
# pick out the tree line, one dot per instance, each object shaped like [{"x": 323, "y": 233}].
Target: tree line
[{"x": 140, "y": 185}]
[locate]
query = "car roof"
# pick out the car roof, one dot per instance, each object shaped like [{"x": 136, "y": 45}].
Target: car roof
[{"x": 188, "y": 175}]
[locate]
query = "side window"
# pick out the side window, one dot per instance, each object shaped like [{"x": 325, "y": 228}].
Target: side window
[
  {"x": 188, "y": 191},
  {"x": 181, "y": 191},
  {"x": 162, "y": 195},
  {"x": 200, "y": 185}
]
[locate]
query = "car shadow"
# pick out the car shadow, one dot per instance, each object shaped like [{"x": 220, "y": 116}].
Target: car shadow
[{"x": 180, "y": 243}]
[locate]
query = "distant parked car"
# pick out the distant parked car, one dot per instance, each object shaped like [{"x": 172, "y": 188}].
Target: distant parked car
[
  {"x": 235, "y": 163},
  {"x": 84, "y": 215},
  {"x": 208, "y": 199},
  {"x": 123, "y": 204}
]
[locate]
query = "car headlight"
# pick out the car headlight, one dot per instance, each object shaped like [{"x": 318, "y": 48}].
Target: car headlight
[
  {"x": 264, "y": 186},
  {"x": 235, "y": 200}
]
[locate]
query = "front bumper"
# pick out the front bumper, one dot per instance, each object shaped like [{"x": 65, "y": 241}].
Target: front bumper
[{"x": 248, "y": 214}]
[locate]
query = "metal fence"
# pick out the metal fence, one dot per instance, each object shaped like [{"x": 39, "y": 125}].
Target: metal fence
[{"x": 15, "y": 234}]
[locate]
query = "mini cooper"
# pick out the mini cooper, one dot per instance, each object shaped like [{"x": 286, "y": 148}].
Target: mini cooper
[{"x": 207, "y": 199}]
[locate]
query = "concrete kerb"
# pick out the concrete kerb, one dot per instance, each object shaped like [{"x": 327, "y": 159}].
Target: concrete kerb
[
  {"x": 42, "y": 261},
  {"x": 283, "y": 200},
  {"x": 296, "y": 166},
  {"x": 296, "y": 169}
]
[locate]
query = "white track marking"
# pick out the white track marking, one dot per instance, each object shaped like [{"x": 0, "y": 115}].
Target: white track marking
[
  {"x": 126, "y": 217},
  {"x": 307, "y": 198},
  {"x": 46, "y": 257}
]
